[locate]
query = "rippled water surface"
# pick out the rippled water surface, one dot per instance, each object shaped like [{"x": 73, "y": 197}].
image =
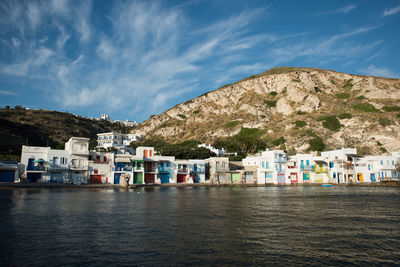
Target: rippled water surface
[{"x": 201, "y": 226}]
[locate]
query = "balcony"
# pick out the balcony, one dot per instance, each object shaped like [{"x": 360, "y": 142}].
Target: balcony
[
  {"x": 78, "y": 167},
  {"x": 57, "y": 167},
  {"x": 281, "y": 159},
  {"x": 164, "y": 169},
  {"x": 36, "y": 168},
  {"x": 199, "y": 170},
  {"x": 306, "y": 168},
  {"x": 182, "y": 170},
  {"x": 97, "y": 161},
  {"x": 222, "y": 169},
  {"x": 321, "y": 170},
  {"x": 122, "y": 169}
]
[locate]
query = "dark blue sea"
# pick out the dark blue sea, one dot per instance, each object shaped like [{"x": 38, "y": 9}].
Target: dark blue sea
[{"x": 206, "y": 226}]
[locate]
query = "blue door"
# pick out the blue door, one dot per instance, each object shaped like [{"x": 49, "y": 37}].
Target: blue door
[
  {"x": 164, "y": 178},
  {"x": 33, "y": 177},
  {"x": 7, "y": 176},
  {"x": 373, "y": 177},
  {"x": 116, "y": 178}
]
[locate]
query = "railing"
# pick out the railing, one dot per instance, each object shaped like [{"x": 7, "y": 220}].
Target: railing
[
  {"x": 97, "y": 161},
  {"x": 54, "y": 166},
  {"x": 164, "y": 169},
  {"x": 280, "y": 159},
  {"x": 306, "y": 167},
  {"x": 199, "y": 170},
  {"x": 78, "y": 166},
  {"x": 321, "y": 170},
  {"x": 122, "y": 169},
  {"x": 36, "y": 168},
  {"x": 182, "y": 170},
  {"x": 292, "y": 167}
]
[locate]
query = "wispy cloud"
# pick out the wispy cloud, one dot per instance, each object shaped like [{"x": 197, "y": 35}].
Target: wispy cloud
[
  {"x": 342, "y": 10},
  {"x": 5, "y": 92},
  {"x": 391, "y": 11},
  {"x": 379, "y": 71}
]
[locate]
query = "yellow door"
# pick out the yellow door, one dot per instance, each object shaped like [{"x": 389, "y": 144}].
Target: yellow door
[{"x": 360, "y": 177}]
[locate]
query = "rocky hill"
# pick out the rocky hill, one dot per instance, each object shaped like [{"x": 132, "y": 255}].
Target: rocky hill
[
  {"x": 293, "y": 108},
  {"x": 19, "y": 126}
]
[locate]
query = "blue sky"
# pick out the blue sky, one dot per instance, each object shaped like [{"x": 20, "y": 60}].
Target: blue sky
[{"x": 132, "y": 59}]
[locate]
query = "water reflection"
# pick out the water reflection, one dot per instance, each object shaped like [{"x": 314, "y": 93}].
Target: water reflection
[{"x": 201, "y": 226}]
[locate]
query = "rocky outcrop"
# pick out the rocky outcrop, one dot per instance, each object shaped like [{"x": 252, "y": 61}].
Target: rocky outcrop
[{"x": 275, "y": 99}]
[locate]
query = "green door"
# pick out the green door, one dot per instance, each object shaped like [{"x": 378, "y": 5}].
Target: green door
[
  {"x": 138, "y": 178},
  {"x": 235, "y": 177}
]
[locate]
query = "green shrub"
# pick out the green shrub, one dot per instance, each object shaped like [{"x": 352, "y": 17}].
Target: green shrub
[
  {"x": 279, "y": 141},
  {"x": 378, "y": 143},
  {"x": 342, "y": 95},
  {"x": 270, "y": 103},
  {"x": 231, "y": 124},
  {"x": 348, "y": 85},
  {"x": 197, "y": 111},
  {"x": 273, "y": 93},
  {"x": 182, "y": 116},
  {"x": 333, "y": 82},
  {"x": 391, "y": 108},
  {"x": 366, "y": 107},
  {"x": 330, "y": 122},
  {"x": 296, "y": 80},
  {"x": 301, "y": 112},
  {"x": 345, "y": 116},
  {"x": 316, "y": 144},
  {"x": 300, "y": 124},
  {"x": 361, "y": 97},
  {"x": 383, "y": 150},
  {"x": 385, "y": 122}
]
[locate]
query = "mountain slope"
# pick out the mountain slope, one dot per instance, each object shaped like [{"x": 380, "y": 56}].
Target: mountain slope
[
  {"x": 45, "y": 128},
  {"x": 298, "y": 104}
]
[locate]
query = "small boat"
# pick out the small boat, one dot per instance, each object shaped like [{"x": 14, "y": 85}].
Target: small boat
[{"x": 326, "y": 185}]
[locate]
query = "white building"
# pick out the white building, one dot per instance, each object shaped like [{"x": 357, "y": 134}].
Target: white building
[
  {"x": 116, "y": 140},
  {"x": 218, "y": 152},
  {"x": 43, "y": 164},
  {"x": 381, "y": 168},
  {"x": 271, "y": 167},
  {"x": 341, "y": 164}
]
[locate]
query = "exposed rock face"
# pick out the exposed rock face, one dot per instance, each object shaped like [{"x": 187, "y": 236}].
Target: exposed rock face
[{"x": 277, "y": 98}]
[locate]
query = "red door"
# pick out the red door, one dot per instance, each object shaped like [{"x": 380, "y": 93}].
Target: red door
[
  {"x": 293, "y": 177},
  {"x": 95, "y": 179},
  {"x": 149, "y": 178},
  {"x": 181, "y": 178}
]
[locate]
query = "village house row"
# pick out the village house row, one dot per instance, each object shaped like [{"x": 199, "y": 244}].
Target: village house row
[{"x": 76, "y": 164}]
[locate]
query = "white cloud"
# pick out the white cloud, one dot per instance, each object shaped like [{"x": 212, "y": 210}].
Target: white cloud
[
  {"x": 347, "y": 9},
  {"x": 34, "y": 14},
  {"x": 342, "y": 10},
  {"x": 5, "y": 92},
  {"x": 380, "y": 72},
  {"x": 391, "y": 11}
]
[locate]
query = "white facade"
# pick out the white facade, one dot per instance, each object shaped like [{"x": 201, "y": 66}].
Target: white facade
[
  {"x": 341, "y": 164},
  {"x": 271, "y": 167},
  {"x": 43, "y": 164},
  {"x": 381, "y": 168}
]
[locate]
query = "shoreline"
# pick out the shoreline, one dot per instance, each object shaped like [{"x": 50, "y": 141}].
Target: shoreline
[{"x": 104, "y": 186}]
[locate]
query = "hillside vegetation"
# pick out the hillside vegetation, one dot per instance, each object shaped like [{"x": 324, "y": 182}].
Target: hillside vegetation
[
  {"x": 296, "y": 109},
  {"x": 19, "y": 126}
]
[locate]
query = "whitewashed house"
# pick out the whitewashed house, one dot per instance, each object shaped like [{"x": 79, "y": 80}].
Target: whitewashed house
[
  {"x": 271, "y": 167},
  {"x": 43, "y": 164},
  {"x": 341, "y": 164}
]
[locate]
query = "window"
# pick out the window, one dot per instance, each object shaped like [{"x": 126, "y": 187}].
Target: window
[
  {"x": 267, "y": 164},
  {"x": 331, "y": 165},
  {"x": 55, "y": 160},
  {"x": 308, "y": 163},
  {"x": 302, "y": 163},
  {"x": 369, "y": 167},
  {"x": 263, "y": 164},
  {"x": 381, "y": 162},
  {"x": 393, "y": 162}
]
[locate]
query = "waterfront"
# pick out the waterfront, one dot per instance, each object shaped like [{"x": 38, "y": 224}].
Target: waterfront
[{"x": 201, "y": 226}]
